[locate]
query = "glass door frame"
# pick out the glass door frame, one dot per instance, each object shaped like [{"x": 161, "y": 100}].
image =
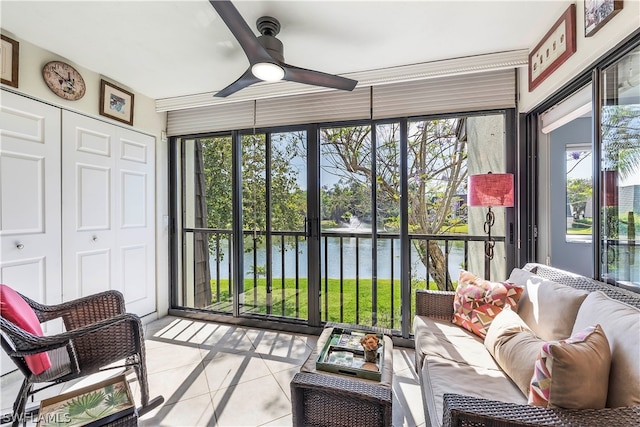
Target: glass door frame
[
  {"x": 529, "y": 148},
  {"x": 314, "y": 320}
]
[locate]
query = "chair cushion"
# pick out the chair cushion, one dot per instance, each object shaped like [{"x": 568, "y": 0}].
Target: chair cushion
[
  {"x": 17, "y": 311},
  {"x": 621, "y": 325},
  {"x": 478, "y": 301},
  {"x": 514, "y": 346},
  {"x": 439, "y": 376},
  {"x": 434, "y": 337},
  {"x": 547, "y": 307},
  {"x": 573, "y": 373}
]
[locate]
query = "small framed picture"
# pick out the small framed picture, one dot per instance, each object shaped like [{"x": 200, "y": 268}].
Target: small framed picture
[
  {"x": 116, "y": 102},
  {"x": 599, "y": 12},
  {"x": 10, "y": 57}
]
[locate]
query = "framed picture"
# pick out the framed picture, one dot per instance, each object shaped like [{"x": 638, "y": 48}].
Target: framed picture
[
  {"x": 10, "y": 56},
  {"x": 116, "y": 102},
  {"x": 599, "y": 12},
  {"x": 97, "y": 404},
  {"x": 554, "y": 49}
]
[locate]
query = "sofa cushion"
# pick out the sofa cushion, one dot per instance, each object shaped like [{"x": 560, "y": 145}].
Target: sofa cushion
[
  {"x": 514, "y": 347},
  {"x": 17, "y": 311},
  {"x": 621, "y": 325},
  {"x": 573, "y": 373},
  {"x": 549, "y": 308},
  {"x": 439, "y": 376},
  {"x": 478, "y": 301},
  {"x": 442, "y": 338}
]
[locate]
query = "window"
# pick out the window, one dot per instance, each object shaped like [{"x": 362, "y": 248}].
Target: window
[
  {"x": 579, "y": 193},
  {"x": 334, "y": 223},
  {"x": 620, "y": 172}
]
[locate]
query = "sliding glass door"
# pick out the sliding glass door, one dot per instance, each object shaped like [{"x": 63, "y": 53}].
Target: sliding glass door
[
  {"x": 333, "y": 223},
  {"x": 619, "y": 169},
  {"x": 274, "y": 220}
]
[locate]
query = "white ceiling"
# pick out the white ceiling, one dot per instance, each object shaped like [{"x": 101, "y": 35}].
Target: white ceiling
[{"x": 166, "y": 49}]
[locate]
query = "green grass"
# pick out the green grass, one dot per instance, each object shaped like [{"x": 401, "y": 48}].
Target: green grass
[
  {"x": 346, "y": 297},
  {"x": 579, "y": 231},
  {"x": 458, "y": 229}
]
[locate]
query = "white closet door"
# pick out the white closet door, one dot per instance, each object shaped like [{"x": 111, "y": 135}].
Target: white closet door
[
  {"x": 30, "y": 202},
  {"x": 135, "y": 201},
  {"x": 108, "y": 204}
]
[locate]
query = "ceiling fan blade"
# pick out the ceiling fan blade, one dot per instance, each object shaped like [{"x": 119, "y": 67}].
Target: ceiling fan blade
[
  {"x": 241, "y": 31},
  {"x": 247, "y": 79},
  {"x": 317, "y": 78}
]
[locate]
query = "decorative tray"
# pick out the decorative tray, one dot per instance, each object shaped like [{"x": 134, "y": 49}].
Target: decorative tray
[
  {"x": 91, "y": 406},
  {"x": 343, "y": 354}
]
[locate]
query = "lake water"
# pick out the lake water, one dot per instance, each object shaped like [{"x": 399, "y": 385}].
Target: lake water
[{"x": 333, "y": 266}]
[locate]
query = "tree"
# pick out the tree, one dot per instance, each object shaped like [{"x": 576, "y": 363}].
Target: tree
[
  {"x": 217, "y": 167},
  {"x": 621, "y": 139},
  {"x": 436, "y": 169},
  {"x": 287, "y": 198},
  {"x": 579, "y": 191}
]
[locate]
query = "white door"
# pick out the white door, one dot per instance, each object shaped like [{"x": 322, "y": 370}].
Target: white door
[
  {"x": 30, "y": 202},
  {"x": 108, "y": 211}
]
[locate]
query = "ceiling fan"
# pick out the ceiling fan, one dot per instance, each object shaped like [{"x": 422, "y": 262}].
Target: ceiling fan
[{"x": 265, "y": 54}]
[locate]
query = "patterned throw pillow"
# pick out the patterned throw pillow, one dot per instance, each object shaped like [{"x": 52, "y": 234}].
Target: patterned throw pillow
[
  {"x": 573, "y": 373},
  {"x": 477, "y": 301}
]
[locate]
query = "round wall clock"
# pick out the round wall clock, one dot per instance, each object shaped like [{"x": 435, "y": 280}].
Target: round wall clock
[{"x": 64, "y": 80}]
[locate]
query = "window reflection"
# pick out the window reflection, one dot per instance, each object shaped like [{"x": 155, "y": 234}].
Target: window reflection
[
  {"x": 579, "y": 193},
  {"x": 620, "y": 172}
]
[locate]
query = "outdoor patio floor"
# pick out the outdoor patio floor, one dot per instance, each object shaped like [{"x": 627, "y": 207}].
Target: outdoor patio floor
[{"x": 214, "y": 374}]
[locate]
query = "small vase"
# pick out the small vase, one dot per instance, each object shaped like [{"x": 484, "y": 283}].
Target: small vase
[{"x": 371, "y": 356}]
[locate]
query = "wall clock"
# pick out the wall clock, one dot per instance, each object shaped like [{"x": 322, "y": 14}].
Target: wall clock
[{"x": 64, "y": 80}]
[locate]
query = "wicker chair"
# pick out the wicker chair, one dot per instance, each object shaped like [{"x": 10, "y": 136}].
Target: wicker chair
[{"x": 99, "y": 335}]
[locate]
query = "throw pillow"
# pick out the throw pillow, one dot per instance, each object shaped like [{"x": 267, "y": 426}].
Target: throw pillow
[
  {"x": 573, "y": 373},
  {"x": 17, "y": 311},
  {"x": 539, "y": 303},
  {"x": 514, "y": 347},
  {"x": 477, "y": 301},
  {"x": 620, "y": 323}
]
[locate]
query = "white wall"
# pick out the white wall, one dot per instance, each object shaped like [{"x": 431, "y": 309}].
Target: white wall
[
  {"x": 145, "y": 119},
  {"x": 588, "y": 51}
]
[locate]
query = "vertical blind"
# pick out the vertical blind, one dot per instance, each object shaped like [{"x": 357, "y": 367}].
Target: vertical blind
[{"x": 451, "y": 94}]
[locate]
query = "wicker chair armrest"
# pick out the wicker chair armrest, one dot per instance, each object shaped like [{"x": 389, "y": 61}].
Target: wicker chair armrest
[
  {"x": 81, "y": 311},
  {"x": 350, "y": 400},
  {"x": 26, "y": 343},
  {"x": 343, "y": 386},
  {"x": 438, "y": 304},
  {"x": 462, "y": 410}
]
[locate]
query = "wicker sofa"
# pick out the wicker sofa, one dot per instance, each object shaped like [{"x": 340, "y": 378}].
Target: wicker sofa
[{"x": 462, "y": 384}]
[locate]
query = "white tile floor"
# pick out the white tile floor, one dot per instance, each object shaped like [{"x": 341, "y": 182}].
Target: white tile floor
[{"x": 220, "y": 375}]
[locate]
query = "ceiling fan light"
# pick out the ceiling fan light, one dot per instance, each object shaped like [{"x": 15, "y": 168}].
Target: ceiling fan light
[{"x": 267, "y": 71}]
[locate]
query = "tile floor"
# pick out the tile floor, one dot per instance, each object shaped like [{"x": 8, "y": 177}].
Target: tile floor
[{"x": 221, "y": 375}]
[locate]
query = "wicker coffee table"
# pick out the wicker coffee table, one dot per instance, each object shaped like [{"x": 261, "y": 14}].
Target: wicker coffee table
[{"x": 321, "y": 398}]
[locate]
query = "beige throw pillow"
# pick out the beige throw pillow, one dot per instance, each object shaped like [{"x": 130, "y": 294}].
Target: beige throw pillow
[
  {"x": 547, "y": 307},
  {"x": 621, "y": 324},
  {"x": 514, "y": 347},
  {"x": 573, "y": 373}
]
